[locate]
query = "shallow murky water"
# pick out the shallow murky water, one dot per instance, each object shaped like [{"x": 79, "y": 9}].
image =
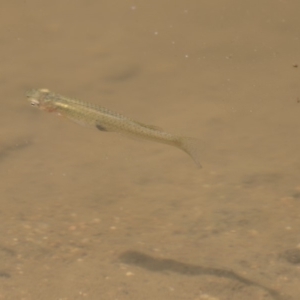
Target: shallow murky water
[{"x": 93, "y": 215}]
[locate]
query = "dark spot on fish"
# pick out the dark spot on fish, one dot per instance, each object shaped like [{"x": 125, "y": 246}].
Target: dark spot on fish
[{"x": 100, "y": 127}]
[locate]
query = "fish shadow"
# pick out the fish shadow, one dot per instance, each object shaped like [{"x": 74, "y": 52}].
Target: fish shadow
[{"x": 153, "y": 264}]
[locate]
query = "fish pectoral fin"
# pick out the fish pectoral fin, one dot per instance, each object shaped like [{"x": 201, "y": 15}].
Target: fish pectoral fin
[
  {"x": 101, "y": 127},
  {"x": 153, "y": 127}
]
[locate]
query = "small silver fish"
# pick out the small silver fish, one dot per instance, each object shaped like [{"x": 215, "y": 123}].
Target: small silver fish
[{"x": 105, "y": 120}]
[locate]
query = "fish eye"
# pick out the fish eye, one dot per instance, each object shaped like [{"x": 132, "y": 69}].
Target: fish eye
[{"x": 34, "y": 102}]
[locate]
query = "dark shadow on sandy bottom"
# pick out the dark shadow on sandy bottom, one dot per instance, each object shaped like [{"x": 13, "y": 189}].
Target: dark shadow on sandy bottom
[
  {"x": 8, "y": 149},
  {"x": 153, "y": 264}
]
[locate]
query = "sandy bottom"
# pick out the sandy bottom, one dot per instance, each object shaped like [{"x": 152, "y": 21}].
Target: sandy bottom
[{"x": 94, "y": 215}]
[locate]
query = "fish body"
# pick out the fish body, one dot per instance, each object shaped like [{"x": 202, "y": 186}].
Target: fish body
[{"x": 106, "y": 120}]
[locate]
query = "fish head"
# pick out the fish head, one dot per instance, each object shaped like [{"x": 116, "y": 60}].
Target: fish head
[{"x": 40, "y": 98}]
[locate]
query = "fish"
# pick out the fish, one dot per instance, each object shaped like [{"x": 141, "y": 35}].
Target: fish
[{"x": 104, "y": 119}]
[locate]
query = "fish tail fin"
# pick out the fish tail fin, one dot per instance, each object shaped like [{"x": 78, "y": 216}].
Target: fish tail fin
[{"x": 192, "y": 147}]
